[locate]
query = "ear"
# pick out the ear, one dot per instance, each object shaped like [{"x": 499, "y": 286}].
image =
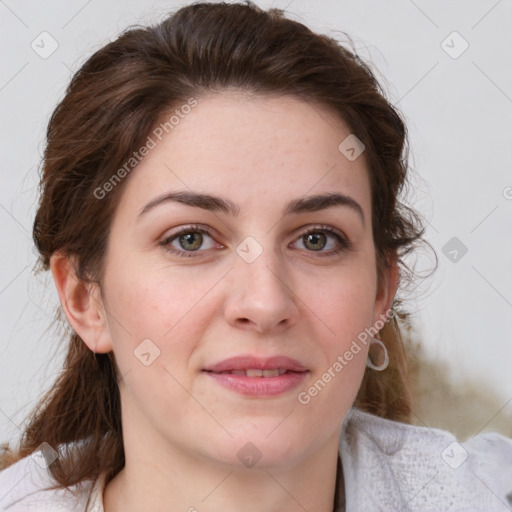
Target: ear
[
  {"x": 82, "y": 304},
  {"x": 387, "y": 290}
]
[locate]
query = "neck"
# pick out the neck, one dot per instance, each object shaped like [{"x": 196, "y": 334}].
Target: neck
[{"x": 171, "y": 480}]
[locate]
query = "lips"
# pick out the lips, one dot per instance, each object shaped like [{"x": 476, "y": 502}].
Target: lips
[
  {"x": 257, "y": 367},
  {"x": 255, "y": 372},
  {"x": 258, "y": 377}
]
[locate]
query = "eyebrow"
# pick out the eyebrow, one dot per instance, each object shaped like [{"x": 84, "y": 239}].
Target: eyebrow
[{"x": 218, "y": 204}]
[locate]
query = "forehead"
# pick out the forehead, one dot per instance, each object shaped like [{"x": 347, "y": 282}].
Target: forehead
[{"x": 254, "y": 148}]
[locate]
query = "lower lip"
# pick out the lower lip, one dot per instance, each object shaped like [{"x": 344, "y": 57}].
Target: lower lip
[{"x": 259, "y": 386}]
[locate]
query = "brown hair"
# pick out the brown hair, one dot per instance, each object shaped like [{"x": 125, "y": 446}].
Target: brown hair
[{"x": 109, "y": 109}]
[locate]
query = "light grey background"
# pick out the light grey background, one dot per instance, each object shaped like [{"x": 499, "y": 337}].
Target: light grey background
[{"x": 459, "y": 113}]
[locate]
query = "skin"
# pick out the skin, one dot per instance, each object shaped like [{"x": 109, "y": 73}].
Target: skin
[{"x": 182, "y": 431}]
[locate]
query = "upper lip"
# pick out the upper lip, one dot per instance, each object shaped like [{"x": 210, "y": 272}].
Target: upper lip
[{"x": 260, "y": 363}]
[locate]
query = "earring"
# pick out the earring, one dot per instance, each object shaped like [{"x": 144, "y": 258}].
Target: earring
[{"x": 382, "y": 358}]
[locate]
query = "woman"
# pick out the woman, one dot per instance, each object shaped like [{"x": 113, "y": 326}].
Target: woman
[{"x": 219, "y": 211}]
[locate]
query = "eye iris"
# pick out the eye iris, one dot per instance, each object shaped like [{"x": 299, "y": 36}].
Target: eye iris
[
  {"x": 314, "y": 238},
  {"x": 190, "y": 238}
]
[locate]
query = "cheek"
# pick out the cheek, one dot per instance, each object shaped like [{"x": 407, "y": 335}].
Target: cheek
[
  {"x": 158, "y": 304},
  {"x": 156, "y": 312},
  {"x": 346, "y": 304},
  {"x": 346, "y": 308}
]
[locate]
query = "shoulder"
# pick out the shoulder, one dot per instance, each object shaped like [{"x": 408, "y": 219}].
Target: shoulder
[
  {"x": 24, "y": 487},
  {"x": 418, "y": 468}
]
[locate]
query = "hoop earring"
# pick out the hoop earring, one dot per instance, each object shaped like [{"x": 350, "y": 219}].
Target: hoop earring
[{"x": 383, "y": 357}]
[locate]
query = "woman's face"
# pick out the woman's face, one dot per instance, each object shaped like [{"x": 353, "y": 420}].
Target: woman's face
[{"x": 229, "y": 271}]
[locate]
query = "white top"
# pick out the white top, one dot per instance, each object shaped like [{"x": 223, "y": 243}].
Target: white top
[{"x": 387, "y": 466}]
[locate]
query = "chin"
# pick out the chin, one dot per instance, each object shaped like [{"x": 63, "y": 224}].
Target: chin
[{"x": 252, "y": 449}]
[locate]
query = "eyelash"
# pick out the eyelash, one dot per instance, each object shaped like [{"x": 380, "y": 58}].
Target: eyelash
[{"x": 346, "y": 244}]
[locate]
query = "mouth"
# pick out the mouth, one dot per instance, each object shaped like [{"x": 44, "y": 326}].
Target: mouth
[
  {"x": 258, "y": 366},
  {"x": 258, "y": 377},
  {"x": 256, "y": 372}
]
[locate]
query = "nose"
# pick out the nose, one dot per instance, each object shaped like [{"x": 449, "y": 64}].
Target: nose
[{"x": 260, "y": 297}]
